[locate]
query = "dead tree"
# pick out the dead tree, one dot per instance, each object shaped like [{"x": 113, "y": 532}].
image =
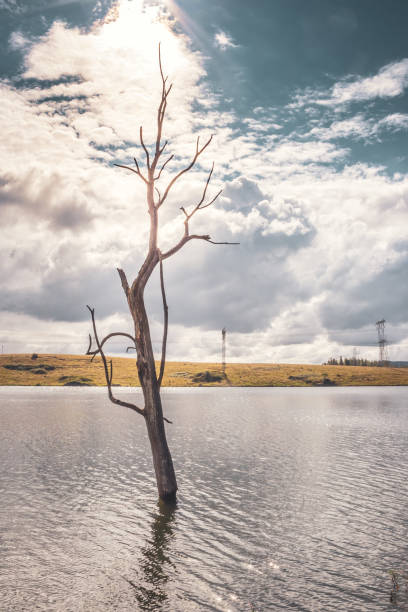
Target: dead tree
[{"x": 150, "y": 381}]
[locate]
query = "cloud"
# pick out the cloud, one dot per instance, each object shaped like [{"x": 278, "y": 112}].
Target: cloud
[
  {"x": 261, "y": 125},
  {"x": 200, "y": 291},
  {"x": 381, "y": 295},
  {"x": 22, "y": 333},
  {"x": 237, "y": 292},
  {"x": 313, "y": 151},
  {"x": 241, "y": 194},
  {"x": 63, "y": 295},
  {"x": 10, "y": 5},
  {"x": 223, "y": 40},
  {"x": 17, "y": 41},
  {"x": 355, "y": 265},
  {"x": 48, "y": 197},
  {"x": 390, "y": 81},
  {"x": 360, "y": 127},
  {"x": 395, "y": 122},
  {"x": 357, "y": 128}
]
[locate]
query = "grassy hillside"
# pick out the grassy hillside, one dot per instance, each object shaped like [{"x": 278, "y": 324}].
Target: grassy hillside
[{"x": 77, "y": 370}]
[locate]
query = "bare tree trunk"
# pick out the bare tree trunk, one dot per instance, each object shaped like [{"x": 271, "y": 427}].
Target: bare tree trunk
[{"x": 162, "y": 461}]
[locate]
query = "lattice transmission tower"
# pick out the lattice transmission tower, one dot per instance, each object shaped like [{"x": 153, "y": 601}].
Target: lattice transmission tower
[
  {"x": 224, "y": 342},
  {"x": 382, "y": 343}
]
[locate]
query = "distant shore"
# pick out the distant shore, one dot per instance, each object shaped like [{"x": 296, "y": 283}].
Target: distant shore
[{"x": 78, "y": 370}]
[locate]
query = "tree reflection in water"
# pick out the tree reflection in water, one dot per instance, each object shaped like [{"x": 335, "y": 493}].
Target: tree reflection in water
[{"x": 150, "y": 588}]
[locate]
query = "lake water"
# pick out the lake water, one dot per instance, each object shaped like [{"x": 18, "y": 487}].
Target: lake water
[{"x": 290, "y": 499}]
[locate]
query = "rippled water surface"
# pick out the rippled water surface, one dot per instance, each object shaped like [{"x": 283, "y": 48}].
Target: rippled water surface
[{"x": 289, "y": 499}]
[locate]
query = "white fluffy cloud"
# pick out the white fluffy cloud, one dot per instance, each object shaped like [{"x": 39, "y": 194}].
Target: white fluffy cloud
[
  {"x": 390, "y": 81},
  {"x": 359, "y": 127}
]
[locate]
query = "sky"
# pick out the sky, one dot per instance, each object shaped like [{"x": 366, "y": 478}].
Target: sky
[{"x": 308, "y": 104}]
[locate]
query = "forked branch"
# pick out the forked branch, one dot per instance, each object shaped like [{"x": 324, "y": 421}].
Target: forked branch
[
  {"x": 156, "y": 178},
  {"x": 137, "y": 171},
  {"x": 200, "y": 205},
  {"x": 109, "y": 370},
  {"x": 199, "y": 150}
]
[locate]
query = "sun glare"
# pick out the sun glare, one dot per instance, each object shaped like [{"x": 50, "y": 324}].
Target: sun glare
[{"x": 136, "y": 23}]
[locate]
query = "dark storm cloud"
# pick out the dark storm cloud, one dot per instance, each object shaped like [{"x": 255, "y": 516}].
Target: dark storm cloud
[
  {"x": 242, "y": 286},
  {"x": 70, "y": 216},
  {"x": 385, "y": 295},
  {"x": 47, "y": 199},
  {"x": 64, "y": 296}
]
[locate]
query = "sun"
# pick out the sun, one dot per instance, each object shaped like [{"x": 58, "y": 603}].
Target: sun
[{"x": 132, "y": 24}]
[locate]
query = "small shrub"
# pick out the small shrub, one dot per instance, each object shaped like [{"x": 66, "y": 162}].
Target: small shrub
[{"x": 206, "y": 377}]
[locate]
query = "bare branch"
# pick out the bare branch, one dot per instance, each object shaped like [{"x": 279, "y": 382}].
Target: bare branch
[
  {"x": 133, "y": 170},
  {"x": 156, "y": 178},
  {"x": 94, "y": 353},
  {"x": 138, "y": 169},
  {"x": 191, "y": 164},
  {"x": 164, "y": 146},
  {"x": 124, "y": 282},
  {"x": 161, "y": 67},
  {"x": 108, "y": 373},
  {"x": 161, "y": 111},
  {"x": 201, "y": 207},
  {"x": 165, "y": 322},
  {"x": 206, "y": 187},
  {"x": 187, "y": 238},
  {"x": 144, "y": 148},
  {"x": 214, "y": 242}
]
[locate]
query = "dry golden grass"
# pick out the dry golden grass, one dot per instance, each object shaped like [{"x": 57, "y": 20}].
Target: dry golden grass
[{"x": 60, "y": 370}]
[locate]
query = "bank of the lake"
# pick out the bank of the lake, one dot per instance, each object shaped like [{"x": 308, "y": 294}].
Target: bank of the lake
[{"x": 78, "y": 370}]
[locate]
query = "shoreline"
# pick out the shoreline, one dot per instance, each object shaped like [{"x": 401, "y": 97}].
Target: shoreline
[
  {"x": 60, "y": 370},
  {"x": 208, "y": 386}
]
